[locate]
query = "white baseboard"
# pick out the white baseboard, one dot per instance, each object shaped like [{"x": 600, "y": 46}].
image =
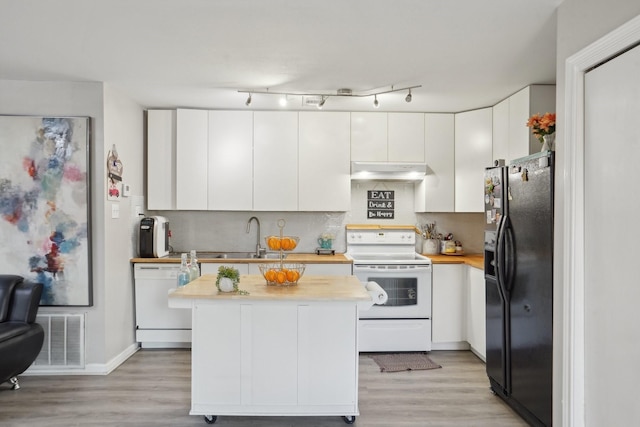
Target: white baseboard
[
  {"x": 460, "y": 345},
  {"x": 89, "y": 368}
]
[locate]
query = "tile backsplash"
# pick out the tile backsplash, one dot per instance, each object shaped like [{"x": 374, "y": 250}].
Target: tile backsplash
[{"x": 227, "y": 231}]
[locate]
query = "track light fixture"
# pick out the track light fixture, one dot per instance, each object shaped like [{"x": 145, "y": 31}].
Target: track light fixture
[{"x": 340, "y": 92}]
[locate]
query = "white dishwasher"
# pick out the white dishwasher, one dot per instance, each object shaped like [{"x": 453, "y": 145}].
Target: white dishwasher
[{"x": 157, "y": 325}]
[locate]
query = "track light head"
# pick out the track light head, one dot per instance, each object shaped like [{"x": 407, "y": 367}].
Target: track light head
[
  {"x": 376, "y": 104},
  {"x": 408, "y": 97},
  {"x": 248, "y": 101}
]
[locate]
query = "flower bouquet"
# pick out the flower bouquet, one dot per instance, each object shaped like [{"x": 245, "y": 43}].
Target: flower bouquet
[{"x": 542, "y": 125}]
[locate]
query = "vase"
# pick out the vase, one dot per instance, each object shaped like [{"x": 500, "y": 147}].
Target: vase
[
  {"x": 430, "y": 246},
  {"x": 226, "y": 284},
  {"x": 549, "y": 142}
]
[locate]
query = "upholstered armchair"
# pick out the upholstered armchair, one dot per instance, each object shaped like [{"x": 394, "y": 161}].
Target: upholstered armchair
[{"x": 20, "y": 337}]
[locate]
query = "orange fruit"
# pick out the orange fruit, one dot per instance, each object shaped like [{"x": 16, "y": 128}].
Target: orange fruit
[
  {"x": 281, "y": 277},
  {"x": 284, "y": 243},
  {"x": 292, "y": 276},
  {"x": 273, "y": 243},
  {"x": 270, "y": 275},
  {"x": 292, "y": 244}
]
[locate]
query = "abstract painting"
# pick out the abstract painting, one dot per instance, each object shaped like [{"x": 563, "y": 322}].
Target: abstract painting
[{"x": 44, "y": 205}]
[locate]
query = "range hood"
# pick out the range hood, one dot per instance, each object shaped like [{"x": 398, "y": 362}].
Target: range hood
[{"x": 388, "y": 171}]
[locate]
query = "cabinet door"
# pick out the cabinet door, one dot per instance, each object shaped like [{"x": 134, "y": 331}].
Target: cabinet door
[
  {"x": 449, "y": 304},
  {"x": 326, "y": 338},
  {"x": 219, "y": 373},
  {"x": 369, "y": 137},
  {"x": 191, "y": 159},
  {"x": 476, "y": 321},
  {"x": 501, "y": 131},
  {"x": 324, "y": 166},
  {"x": 472, "y": 155},
  {"x": 230, "y": 160},
  {"x": 275, "y": 161},
  {"x": 161, "y": 154},
  {"x": 519, "y": 133},
  {"x": 406, "y": 137},
  {"x": 269, "y": 334},
  {"x": 435, "y": 193}
]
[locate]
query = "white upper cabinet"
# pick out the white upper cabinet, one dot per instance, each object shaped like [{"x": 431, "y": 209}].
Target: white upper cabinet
[
  {"x": 161, "y": 169},
  {"x": 387, "y": 137},
  {"x": 369, "y": 137},
  {"x": 324, "y": 168},
  {"x": 191, "y": 159},
  {"x": 501, "y": 131},
  {"x": 473, "y": 153},
  {"x": 230, "y": 183},
  {"x": 406, "y": 137},
  {"x": 435, "y": 193},
  {"x": 275, "y": 161},
  {"x": 512, "y": 138}
]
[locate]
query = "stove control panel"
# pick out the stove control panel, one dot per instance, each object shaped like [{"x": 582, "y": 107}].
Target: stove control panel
[{"x": 382, "y": 237}]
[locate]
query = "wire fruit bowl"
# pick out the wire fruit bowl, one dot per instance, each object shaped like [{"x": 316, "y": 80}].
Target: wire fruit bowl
[{"x": 277, "y": 274}]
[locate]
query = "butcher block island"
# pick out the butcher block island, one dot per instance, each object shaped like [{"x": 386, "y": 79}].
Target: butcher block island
[{"x": 272, "y": 350}]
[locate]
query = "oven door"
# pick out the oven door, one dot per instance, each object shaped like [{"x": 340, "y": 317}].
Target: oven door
[{"x": 408, "y": 288}]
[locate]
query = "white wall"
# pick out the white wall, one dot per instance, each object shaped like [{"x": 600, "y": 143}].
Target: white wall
[
  {"x": 108, "y": 331},
  {"x": 580, "y": 22},
  {"x": 123, "y": 126}
]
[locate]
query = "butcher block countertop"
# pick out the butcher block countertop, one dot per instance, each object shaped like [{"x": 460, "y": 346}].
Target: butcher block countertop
[
  {"x": 474, "y": 260},
  {"x": 290, "y": 258},
  {"x": 309, "y": 288}
]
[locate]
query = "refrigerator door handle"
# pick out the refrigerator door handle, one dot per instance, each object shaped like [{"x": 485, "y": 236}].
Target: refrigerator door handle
[
  {"x": 509, "y": 256},
  {"x": 500, "y": 258}
]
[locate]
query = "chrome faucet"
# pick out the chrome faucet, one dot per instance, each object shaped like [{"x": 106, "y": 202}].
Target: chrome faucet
[{"x": 260, "y": 251}]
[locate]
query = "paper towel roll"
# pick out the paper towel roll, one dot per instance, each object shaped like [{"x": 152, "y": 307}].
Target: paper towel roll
[{"x": 378, "y": 295}]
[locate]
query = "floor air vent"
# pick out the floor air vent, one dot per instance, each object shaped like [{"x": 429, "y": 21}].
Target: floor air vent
[{"x": 63, "y": 341}]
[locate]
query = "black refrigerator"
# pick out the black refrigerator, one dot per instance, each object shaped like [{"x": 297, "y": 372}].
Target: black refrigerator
[{"x": 519, "y": 284}]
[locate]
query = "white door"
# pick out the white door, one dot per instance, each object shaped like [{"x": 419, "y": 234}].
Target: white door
[{"x": 612, "y": 231}]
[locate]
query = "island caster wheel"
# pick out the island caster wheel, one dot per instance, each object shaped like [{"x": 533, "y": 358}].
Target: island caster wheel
[
  {"x": 349, "y": 419},
  {"x": 210, "y": 419}
]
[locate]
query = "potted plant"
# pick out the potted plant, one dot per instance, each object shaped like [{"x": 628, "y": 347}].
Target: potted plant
[{"x": 228, "y": 279}]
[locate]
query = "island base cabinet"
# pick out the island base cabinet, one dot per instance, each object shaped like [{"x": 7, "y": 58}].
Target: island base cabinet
[{"x": 274, "y": 359}]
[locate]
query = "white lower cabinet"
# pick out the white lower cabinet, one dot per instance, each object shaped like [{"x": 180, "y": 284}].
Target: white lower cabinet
[
  {"x": 448, "y": 321},
  {"x": 262, "y": 358},
  {"x": 459, "y": 309},
  {"x": 476, "y": 312}
]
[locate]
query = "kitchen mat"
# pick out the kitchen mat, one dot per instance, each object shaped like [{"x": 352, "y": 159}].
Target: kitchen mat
[{"x": 397, "y": 362}]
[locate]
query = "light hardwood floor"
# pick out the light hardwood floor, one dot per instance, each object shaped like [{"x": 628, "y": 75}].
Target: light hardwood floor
[{"x": 152, "y": 388}]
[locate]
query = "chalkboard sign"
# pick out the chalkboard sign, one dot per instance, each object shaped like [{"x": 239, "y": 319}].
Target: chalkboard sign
[{"x": 381, "y": 204}]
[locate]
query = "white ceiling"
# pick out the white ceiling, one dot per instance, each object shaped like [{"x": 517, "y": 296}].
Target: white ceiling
[{"x": 466, "y": 54}]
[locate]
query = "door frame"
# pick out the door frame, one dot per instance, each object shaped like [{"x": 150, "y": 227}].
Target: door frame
[{"x": 573, "y": 318}]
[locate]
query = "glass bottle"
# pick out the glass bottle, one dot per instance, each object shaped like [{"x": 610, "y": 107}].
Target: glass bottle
[
  {"x": 184, "y": 275},
  {"x": 194, "y": 270}
]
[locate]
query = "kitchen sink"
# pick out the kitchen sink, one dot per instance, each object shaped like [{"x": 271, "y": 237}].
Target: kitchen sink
[{"x": 233, "y": 255}]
